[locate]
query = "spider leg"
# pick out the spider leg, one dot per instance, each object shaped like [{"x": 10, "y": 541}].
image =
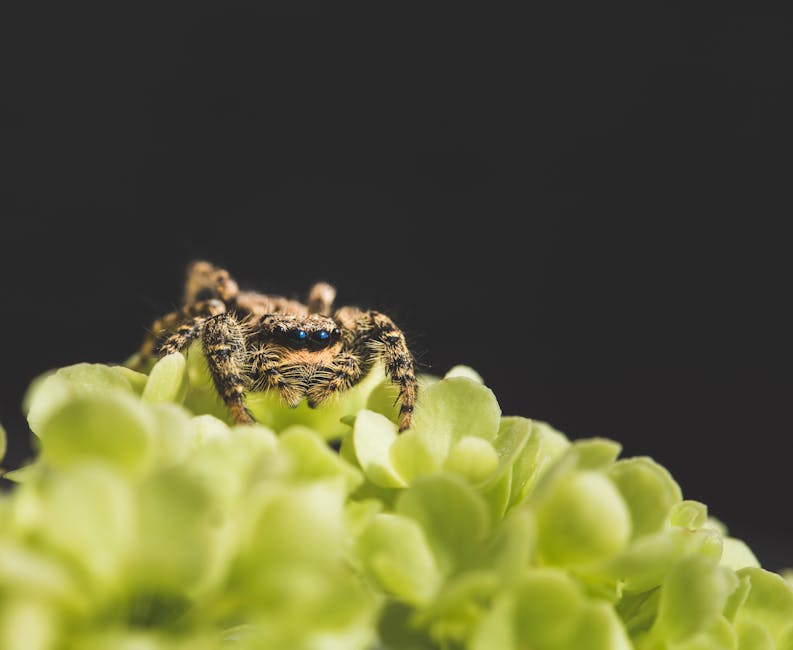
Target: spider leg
[
  {"x": 204, "y": 281},
  {"x": 320, "y": 298},
  {"x": 223, "y": 341},
  {"x": 372, "y": 333},
  {"x": 345, "y": 371},
  {"x": 180, "y": 323}
]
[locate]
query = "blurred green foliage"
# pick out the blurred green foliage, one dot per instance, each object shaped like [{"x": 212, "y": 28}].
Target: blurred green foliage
[{"x": 148, "y": 521}]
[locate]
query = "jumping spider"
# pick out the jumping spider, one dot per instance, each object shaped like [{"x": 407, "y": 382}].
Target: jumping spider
[{"x": 257, "y": 342}]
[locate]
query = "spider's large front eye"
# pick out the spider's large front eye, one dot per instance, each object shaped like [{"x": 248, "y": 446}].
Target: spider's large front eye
[
  {"x": 299, "y": 335},
  {"x": 321, "y": 336}
]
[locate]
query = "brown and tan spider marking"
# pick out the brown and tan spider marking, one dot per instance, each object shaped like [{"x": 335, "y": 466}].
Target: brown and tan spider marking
[{"x": 258, "y": 342}]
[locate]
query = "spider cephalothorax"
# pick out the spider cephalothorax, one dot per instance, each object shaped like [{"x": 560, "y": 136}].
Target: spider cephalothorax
[{"x": 254, "y": 341}]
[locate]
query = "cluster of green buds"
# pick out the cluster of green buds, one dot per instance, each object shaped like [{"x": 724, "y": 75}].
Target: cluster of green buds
[{"x": 148, "y": 521}]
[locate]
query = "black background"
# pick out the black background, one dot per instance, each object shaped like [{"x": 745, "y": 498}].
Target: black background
[{"x": 584, "y": 202}]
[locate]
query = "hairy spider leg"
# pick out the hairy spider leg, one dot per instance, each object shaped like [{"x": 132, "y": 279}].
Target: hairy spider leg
[
  {"x": 180, "y": 324},
  {"x": 372, "y": 333},
  {"x": 320, "y": 298},
  {"x": 223, "y": 341}
]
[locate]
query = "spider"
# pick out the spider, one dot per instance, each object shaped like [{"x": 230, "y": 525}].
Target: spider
[{"x": 254, "y": 341}]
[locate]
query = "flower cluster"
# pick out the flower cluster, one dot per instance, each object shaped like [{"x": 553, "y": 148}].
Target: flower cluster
[{"x": 148, "y": 522}]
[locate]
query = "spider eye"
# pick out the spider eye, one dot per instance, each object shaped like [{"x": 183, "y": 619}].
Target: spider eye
[
  {"x": 300, "y": 335},
  {"x": 323, "y": 335}
]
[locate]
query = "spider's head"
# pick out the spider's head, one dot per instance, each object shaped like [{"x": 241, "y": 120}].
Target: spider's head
[{"x": 313, "y": 332}]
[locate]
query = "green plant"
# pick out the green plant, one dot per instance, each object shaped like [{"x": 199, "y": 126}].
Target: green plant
[{"x": 147, "y": 522}]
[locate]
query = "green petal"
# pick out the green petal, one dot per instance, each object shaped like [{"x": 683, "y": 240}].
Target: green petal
[
  {"x": 110, "y": 426},
  {"x": 396, "y": 554},
  {"x": 372, "y": 437},
  {"x": 167, "y": 380},
  {"x": 453, "y": 516},
  {"x": 583, "y": 520},
  {"x": 693, "y": 595},
  {"x": 81, "y": 380},
  {"x": 472, "y": 458},
  {"x": 548, "y": 604},
  {"x": 543, "y": 448},
  {"x": 313, "y": 459},
  {"x": 737, "y": 555},
  {"x": 411, "y": 456},
  {"x": 464, "y": 371},
  {"x": 689, "y": 514},
  {"x": 645, "y": 562},
  {"x": 599, "y": 628},
  {"x": 453, "y": 408},
  {"x": 770, "y": 600},
  {"x": 649, "y": 492}
]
